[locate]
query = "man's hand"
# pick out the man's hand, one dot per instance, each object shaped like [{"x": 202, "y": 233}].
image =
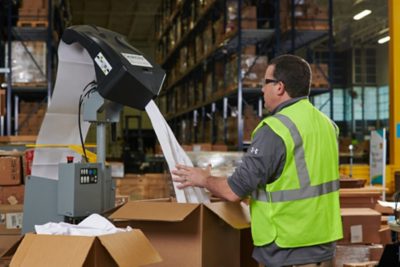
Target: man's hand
[{"x": 191, "y": 176}]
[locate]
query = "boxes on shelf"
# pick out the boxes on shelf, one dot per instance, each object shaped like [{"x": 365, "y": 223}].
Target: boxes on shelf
[
  {"x": 208, "y": 41},
  {"x": 202, "y": 147},
  {"x": 219, "y": 31},
  {"x": 232, "y": 131},
  {"x": 200, "y": 230},
  {"x": 199, "y": 91},
  {"x": 199, "y": 46},
  {"x": 208, "y": 84},
  {"x": 191, "y": 84},
  {"x": 249, "y": 17},
  {"x": 253, "y": 69},
  {"x": 192, "y": 57},
  {"x": 12, "y": 194},
  {"x": 319, "y": 75},
  {"x": 146, "y": 186},
  {"x": 219, "y": 72},
  {"x": 231, "y": 70},
  {"x": 24, "y": 69},
  {"x": 308, "y": 16},
  {"x": 183, "y": 59},
  {"x": 33, "y": 13},
  {"x": 250, "y": 122},
  {"x": 11, "y": 217},
  {"x": 10, "y": 170}
]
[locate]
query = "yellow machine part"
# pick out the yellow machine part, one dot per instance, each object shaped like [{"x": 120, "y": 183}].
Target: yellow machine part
[
  {"x": 394, "y": 94},
  {"x": 92, "y": 157}
]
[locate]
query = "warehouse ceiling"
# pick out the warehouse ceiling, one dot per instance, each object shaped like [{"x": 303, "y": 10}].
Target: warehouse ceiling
[
  {"x": 132, "y": 18},
  {"x": 136, "y": 20},
  {"x": 365, "y": 32}
]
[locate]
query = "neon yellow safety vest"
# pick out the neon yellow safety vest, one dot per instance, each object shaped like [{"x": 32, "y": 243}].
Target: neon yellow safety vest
[{"x": 301, "y": 207}]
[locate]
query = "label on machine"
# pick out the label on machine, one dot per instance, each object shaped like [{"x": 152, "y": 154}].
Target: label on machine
[
  {"x": 103, "y": 63},
  {"x": 137, "y": 60},
  {"x": 88, "y": 176}
]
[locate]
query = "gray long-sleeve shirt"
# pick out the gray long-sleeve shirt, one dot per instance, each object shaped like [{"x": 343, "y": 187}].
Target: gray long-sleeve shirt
[{"x": 262, "y": 164}]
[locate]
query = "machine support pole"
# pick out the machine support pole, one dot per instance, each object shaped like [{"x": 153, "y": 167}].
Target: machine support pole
[
  {"x": 101, "y": 156},
  {"x": 394, "y": 82},
  {"x": 101, "y": 143}
]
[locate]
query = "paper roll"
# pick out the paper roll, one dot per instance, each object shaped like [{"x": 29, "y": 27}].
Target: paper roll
[{"x": 60, "y": 124}]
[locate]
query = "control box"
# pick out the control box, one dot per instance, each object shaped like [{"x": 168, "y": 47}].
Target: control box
[{"x": 84, "y": 188}]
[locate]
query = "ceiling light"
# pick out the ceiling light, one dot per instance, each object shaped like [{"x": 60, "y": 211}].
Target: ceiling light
[
  {"x": 384, "y": 39},
  {"x": 362, "y": 14}
]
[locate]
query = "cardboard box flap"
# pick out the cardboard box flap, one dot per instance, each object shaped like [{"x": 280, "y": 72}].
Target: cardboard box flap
[
  {"x": 235, "y": 214},
  {"x": 13, "y": 153},
  {"x": 358, "y": 212},
  {"x": 130, "y": 248},
  {"x": 154, "y": 211},
  {"x": 52, "y": 250},
  {"x": 7, "y": 254}
]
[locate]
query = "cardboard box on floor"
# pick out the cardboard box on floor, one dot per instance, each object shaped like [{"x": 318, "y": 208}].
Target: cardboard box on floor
[
  {"x": 11, "y": 217},
  {"x": 120, "y": 249},
  {"x": 192, "y": 234},
  {"x": 360, "y": 226}
]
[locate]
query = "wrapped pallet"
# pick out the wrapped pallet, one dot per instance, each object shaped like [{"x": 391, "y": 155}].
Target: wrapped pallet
[{"x": 28, "y": 63}]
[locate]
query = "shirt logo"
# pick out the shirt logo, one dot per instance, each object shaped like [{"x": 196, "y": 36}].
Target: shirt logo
[{"x": 254, "y": 150}]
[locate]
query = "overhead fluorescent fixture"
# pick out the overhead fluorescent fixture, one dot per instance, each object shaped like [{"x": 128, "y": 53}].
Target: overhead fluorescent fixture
[
  {"x": 362, "y": 14},
  {"x": 384, "y": 39}
]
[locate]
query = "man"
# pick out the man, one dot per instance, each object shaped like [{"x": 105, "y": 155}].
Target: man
[{"x": 290, "y": 171}]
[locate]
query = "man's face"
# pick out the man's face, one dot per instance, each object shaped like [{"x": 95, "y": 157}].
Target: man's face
[{"x": 269, "y": 89}]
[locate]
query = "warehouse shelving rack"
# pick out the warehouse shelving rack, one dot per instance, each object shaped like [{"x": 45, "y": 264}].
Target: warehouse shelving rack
[
  {"x": 29, "y": 32},
  {"x": 231, "y": 101}
]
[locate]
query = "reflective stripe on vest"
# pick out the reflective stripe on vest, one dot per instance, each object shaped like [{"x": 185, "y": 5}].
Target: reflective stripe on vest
[{"x": 305, "y": 190}]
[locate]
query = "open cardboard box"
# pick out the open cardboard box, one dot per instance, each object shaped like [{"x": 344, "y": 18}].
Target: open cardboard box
[
  {"x": 213, "y": 234},
  {"x": 120, "y": 249}
]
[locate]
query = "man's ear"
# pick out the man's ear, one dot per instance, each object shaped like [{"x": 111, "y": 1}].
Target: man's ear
[{"x": 281, "y": 90}]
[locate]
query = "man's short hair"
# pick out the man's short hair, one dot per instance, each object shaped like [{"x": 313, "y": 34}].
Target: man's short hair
[{"x": 294, "y": 72}]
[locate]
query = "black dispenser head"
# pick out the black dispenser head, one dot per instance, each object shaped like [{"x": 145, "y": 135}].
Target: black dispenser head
[{"x": 124, "y": 75}]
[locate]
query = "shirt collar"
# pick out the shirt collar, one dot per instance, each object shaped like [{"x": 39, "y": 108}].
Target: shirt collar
[{"x": 287, "y": 103}]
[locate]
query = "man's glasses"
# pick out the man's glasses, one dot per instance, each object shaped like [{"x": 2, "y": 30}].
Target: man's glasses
[{"x": 267, "y": 81}]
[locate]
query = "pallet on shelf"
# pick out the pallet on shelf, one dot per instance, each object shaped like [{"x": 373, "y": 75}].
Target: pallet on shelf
[
  {"x": 33, "y": 23},
  {"x": 29, "y": 85}
]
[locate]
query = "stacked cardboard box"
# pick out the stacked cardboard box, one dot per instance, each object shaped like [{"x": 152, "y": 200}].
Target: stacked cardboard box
[
  {"x": 308, "y": 15},
  {"x": 360, "y": 226},
  {"x": 364, "y": 197},
  {"x": 30, "y": 117},
  {"x": 319, "y": 75},
  {"x": 248, "y": 17},
  {"x": 33, "y": 13},
  {"x": 11, "y": 217},
  {"x": 146, "y": 186},
  {"x": 12, "y": 172}
]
